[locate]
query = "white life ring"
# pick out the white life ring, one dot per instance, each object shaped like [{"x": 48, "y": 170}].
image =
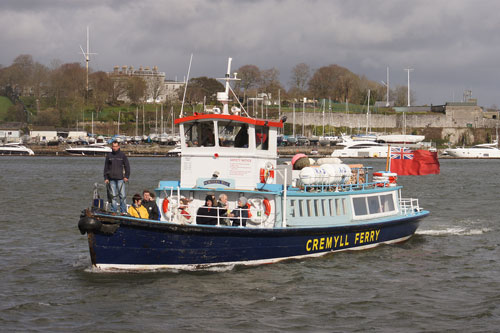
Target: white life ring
[{"x": 260, "y": 208}]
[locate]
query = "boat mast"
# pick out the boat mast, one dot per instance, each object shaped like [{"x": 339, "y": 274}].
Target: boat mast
[
  {"x": 323, "y": 133},
  {"x": 172, "y": 114},
  {"x": 303, "y": 115},
  {"x": 136, "y": 119},
  {"x": 185, "y": 87},
  {"x": 368, "y": 113},
  {"x": 86, "y": 55},
  {"x": 279, "y": 108},
  {"x": 161, "y": 120}
]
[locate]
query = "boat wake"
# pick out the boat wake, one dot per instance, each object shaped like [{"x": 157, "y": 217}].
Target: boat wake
[{"x": 453, "y": 231}]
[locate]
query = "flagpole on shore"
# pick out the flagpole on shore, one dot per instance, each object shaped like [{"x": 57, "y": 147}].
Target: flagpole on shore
[{"x": 388, "y": 161}]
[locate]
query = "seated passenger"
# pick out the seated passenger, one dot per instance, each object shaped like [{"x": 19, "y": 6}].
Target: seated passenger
[
  {"x": 206, "y": 214},
  {"x": 185, "y": 216},
  {"x": 149, "y": 203},
  {"x": 137, "y": 209},
  {"x": 241, "y": 214},
  {"x": 223, "y": 210}
]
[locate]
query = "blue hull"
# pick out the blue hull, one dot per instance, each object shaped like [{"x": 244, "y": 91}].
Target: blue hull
[{"x": 137, "y": 244}]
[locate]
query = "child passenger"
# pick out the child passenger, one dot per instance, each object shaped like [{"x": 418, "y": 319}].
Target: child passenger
[{"x": 137, "y": 209}]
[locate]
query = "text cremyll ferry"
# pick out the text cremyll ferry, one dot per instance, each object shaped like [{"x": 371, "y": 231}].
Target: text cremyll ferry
[{"x": 288, "y": 213}]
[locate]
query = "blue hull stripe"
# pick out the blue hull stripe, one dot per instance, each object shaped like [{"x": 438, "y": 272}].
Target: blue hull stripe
[{"x": 142, "y": 243}]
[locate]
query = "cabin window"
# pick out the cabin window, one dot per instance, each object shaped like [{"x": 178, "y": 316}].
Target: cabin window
[
  {"x": 233, "y": 134},
  {"x": 373, "y": 205},
  {"x": 387, "y": 203},
  {"x": 381, "y": 204},
  {"x": 344, "y": 206},
  {"x": 262, "y": 137},
  {"x": 332, "y": 207},
  {"x": 301, "y": 207},
  {"x": 309, "y": 208},
  {"x": 323, "y": 209},
  {"x": 359, "y": 205},
  {"x": 292, "y": 208},
  {"x": 316, "y": 210},
  {"x": 200, "y": 134},
  {"x": 337, "y": 206}
]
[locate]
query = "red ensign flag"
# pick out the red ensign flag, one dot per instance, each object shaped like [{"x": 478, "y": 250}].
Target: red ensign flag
[{"x": 406, "y": 162}]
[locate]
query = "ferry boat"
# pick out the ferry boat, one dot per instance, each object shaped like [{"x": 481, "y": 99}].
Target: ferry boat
[
  {"x": 92, "y": 149},
  {"x": 291, "y": 213},
  {"x": 15, "y": 149}
]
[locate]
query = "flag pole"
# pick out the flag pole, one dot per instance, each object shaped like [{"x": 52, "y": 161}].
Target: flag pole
[{"x": 388, "y": 161}]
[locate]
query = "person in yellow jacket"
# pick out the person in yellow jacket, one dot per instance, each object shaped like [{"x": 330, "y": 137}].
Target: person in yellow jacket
[{"x": 137, "y": 209}]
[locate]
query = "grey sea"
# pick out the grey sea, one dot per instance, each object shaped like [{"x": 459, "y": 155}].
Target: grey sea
[{"x": 446, "y": 278}]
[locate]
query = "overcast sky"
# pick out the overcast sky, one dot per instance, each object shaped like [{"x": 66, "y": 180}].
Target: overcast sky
[{"x": 451, "y": 45}]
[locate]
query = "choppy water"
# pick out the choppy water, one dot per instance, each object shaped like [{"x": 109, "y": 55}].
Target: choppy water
[{"x": 445, "y": 278}]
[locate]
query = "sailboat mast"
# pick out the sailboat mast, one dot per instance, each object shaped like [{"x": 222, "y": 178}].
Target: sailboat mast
[
  {"x": 368, "y": 113},
  {"x": 136, "y": 119}
]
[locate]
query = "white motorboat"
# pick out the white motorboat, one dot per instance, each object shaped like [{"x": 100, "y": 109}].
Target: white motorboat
[
  {"x": 485, "y": 150},
  {"x": 174, "y": 152},
  {"x": 362, "y": 149},
  {"x": 92, "y": 150},
  {"x": 400, "y": 138},
  {"x": 15, "y": 149}
]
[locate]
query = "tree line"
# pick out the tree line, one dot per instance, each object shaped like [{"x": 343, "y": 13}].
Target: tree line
[{"x": 59, "y": 91}]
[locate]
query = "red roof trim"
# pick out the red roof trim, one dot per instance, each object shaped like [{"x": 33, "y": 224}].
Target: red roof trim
[{"x": 258, "y": 122}]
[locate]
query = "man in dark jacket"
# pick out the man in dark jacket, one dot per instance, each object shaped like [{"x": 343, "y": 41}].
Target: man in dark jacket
[
  {"x": 150, "y": 203},
  {"x": 207, "y": 214},
  {"x": 116, "y": 174}
]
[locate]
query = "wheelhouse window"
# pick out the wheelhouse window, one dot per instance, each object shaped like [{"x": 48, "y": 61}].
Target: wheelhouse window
[
  {"x": 233, "y": 134},
  {"x": 200, "y": 134},
  {"x": 262, "y": 137}
]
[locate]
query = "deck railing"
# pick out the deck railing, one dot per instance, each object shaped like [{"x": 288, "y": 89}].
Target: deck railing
[{"x": 409, "y": 206}]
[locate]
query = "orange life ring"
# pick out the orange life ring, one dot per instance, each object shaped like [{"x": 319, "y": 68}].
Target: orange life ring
[
  {"x": 267, "y": 204},
  {"x": 164, "y": 206},
  {"x": 248, "y": 210}
]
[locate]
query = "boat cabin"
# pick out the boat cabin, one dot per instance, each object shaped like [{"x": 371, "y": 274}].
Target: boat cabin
[{"x": 226, "y": 150}]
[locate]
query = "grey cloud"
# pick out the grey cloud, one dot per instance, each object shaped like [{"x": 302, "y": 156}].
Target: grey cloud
[{"x": 452, "y": 45}]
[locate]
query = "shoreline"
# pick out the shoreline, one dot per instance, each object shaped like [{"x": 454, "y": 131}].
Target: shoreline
[{"x": 147, "y": 150}]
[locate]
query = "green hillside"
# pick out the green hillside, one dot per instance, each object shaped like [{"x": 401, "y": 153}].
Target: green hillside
[{"x": 5, "y": 103}]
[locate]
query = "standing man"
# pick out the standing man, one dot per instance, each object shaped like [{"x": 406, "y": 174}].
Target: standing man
[{"x": 116, "y": 174}]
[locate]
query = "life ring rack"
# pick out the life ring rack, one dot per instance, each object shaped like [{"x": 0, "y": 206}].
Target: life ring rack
[{"x": 266, "y": 173}]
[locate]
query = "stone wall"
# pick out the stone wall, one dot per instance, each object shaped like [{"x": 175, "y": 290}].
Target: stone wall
[{"x": 457, "y": 122}]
